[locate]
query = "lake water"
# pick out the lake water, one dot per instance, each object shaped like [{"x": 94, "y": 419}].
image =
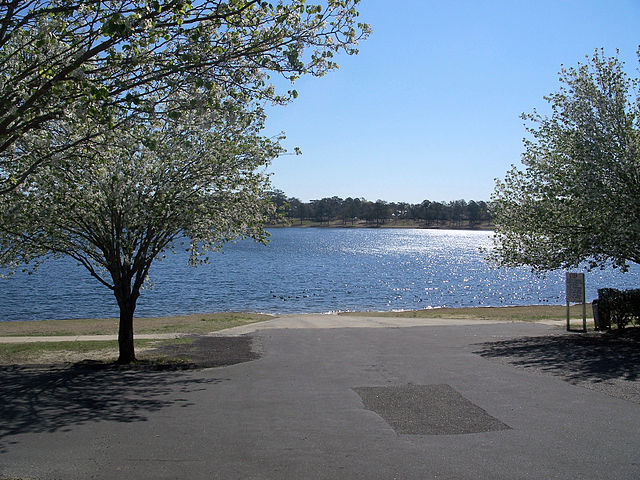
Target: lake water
[{"x": 307, "y": 270}]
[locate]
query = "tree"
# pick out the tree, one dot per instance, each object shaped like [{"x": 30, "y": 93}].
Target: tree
[
  {"x": 62, "y": 61},
  {"x": 434, "y": 212},
  {"x": 474, "y": 212},
  {"x": 128, "y": 127},
  {"x": 578, "y": 198},
  {"x": 351, "y": 209},
  {"x": 381, "y": 211},
  {"x": 140, "y": 191},
  {"x": 295, "y": 208},
  {"x": 402, "y": 210},
  {"x": 279, "y": 201},
  {"x": 457, "y": 211}
]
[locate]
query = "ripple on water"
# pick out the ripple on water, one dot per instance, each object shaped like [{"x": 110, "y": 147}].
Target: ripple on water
[{"x": 308, "y": 270}]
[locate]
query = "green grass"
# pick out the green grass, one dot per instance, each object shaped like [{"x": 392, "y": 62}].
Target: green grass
[
  {"x": 198, "y": 323},
  {"x": 530, "y": 313},
  {"x": 59, "y": 352}
]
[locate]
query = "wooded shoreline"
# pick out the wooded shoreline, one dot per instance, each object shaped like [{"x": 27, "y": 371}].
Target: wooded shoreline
[
  {"x": 362, "y": 213},
  {"x": 444, "y": 225}
]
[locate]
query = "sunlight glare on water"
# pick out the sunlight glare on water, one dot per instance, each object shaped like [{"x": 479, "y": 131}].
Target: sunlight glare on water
[{"x": 308, "y": 270}]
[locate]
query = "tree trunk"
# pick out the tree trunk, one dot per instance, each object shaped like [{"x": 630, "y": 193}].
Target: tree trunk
[{"x": 127, "y": 303}]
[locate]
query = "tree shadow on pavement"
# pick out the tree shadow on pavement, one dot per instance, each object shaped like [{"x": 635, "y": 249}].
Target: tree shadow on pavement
[
  {"x": 607, "y": 362},
  {"x": 48, "y": 399}
]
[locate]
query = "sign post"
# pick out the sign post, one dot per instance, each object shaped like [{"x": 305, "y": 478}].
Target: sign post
[{"x": 575, "y": 293}]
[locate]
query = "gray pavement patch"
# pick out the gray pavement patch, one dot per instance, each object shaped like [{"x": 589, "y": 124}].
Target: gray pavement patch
[
  {"x": 213, "y": 351},
  {"x": 428, "y": 410}
]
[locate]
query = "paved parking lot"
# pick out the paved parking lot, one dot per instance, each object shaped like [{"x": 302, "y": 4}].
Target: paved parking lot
[{"x": 398, "y": 401}]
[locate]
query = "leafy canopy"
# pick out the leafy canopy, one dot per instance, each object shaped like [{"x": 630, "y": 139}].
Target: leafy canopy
[
  {"x": 578, "y": 197},
  {"x": 137, "y": 191},
  {"x": 63, "y": 61},
  {"x": 130, "y": 127}
]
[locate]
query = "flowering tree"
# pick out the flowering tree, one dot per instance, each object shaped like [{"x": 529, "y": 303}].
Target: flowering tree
[
  {"x": 63, "y": 61},
  {"x": 578, "y": 198},
  {"x": 123, "y": 199},
  {"x": 127, "y": 127}
]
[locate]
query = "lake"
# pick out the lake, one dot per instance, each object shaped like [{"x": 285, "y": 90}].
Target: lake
[{"x": 307, "y": 271}]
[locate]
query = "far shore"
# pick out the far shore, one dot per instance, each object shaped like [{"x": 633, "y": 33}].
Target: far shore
[{"x": 443, "y": 225}]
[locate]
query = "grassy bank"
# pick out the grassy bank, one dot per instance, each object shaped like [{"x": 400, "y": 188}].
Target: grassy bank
[
  {"x": 197, "y": 323},
  {"x": 107, "y": 351},
  {"x": 71, "y": 352},
  {"x": 61, "y": 352},
  {"x": 211, "y": 322},
  {"x": 530, "y": 313}
]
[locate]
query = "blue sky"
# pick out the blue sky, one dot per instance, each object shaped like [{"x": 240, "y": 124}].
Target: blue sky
[{"x": 430, "y": 108}]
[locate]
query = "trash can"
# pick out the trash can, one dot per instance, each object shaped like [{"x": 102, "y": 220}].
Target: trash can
[{"x": 596, "y": 316}]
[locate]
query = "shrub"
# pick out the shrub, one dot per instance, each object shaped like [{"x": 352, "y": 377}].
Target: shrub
[{"x": 618, "y": 307}]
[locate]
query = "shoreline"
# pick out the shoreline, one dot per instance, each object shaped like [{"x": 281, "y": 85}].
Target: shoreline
[
  {"x": 204, "y": 321},
  {"x": 389, "y": 224},
  {"x": 167, "y": 342}
]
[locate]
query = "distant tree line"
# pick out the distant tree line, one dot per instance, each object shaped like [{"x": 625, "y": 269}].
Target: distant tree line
[{"x": 456, "y": 213}]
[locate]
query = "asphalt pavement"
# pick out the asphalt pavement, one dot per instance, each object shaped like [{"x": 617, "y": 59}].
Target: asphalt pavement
[{"x": 398, "y": 401}]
